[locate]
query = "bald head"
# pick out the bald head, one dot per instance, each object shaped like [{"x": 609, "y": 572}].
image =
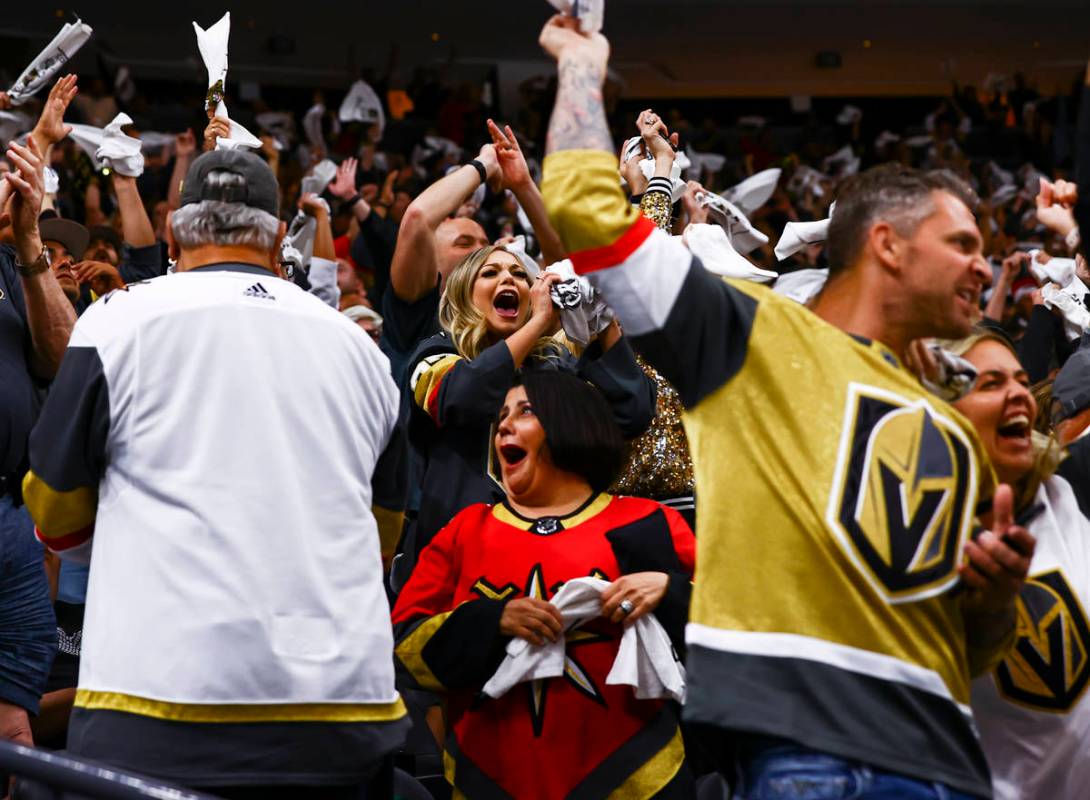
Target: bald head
[{"x": 455, "y": 239}]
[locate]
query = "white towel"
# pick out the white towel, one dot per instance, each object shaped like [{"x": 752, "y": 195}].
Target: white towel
[
  {"x": 802, "y": 285},
  {"x": 754, "y": 191},
  {"x": 362, "y": 104},
  {"x": 645, "y": 659},
  {"x": 1060, "y": 271},
  {"x": 797, "y": 235},
  {"x": 744, "y": 238},
  {"x": 1071, "y": 301},
  {"x": 213, "y": 46},
  {"x": 322, "y": 277},
  {"x": 583, "y": 312},
  {"x": 319, "y": 177},
  {"x": 111, "y": 147},
  {"x": 55, "y": 55},
  {"x": 710, "y": 244},
  {"x": 701, "y": 162}
]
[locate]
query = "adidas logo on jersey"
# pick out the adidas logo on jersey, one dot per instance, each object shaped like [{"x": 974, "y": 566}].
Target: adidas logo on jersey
[{"x": 259, "y": 291}]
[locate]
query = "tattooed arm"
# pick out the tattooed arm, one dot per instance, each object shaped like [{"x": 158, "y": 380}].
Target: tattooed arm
[{"x": 579, "y": 119}]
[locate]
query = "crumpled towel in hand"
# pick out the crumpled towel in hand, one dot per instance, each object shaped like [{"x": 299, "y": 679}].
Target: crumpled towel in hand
[
  {"x": 1070, "y": 300},
  {"x": 213, "y": 46},
  {"x": 955, "y": 378},
  {"x": 111, "y": 147},
  {"x": 710, "y": 244},
  {"x": 71, "y": 37},
  {"x": 744, "y": 238},
  {"x": 645, "y": 659},
  {"x": 1060, "y": 271},
  {"x": 583, "y": 312}
]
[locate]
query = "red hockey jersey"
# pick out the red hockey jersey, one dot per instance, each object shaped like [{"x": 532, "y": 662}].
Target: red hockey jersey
[{"x": 560, "y": 737}]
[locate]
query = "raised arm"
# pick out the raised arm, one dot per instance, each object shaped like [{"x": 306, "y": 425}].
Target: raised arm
[
  {"x": 415, "y": 269},
  {"x": 185, "y": 149},
  {"x": 690, "y": 325},
  {"x": 516, "y": 176},
  {"x": 50, "y": 317},
  {"x": 136, "y": 227}
]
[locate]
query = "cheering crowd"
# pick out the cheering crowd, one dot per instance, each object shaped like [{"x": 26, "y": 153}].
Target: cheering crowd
[{"x": 404, "y": 453}]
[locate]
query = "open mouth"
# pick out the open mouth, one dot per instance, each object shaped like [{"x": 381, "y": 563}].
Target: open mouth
[
  {"x": 506, "y": 304},
  {"x": 511, "y": 454},
  {"x": 969, "y": 296},
  {"x": 1017, "y": 427}
]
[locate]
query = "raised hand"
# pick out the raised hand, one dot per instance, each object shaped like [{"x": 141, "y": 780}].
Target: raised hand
[
  {"x": 50, "y": 128},
  {"x": 28, "y": 182},
  {"x": 185, "y": 144},
  {"x": 102, "y": 277},
  {"x": 511, "y": 160},
  {"x": 312, "y": 205},
  {"x": 493, "y": 174},
  {"x": 562, "y": 39},
  {"x": 344, "y": 184},
  {"x": 218, "y": 127},
  {"x": 1054, "y": 202},
  {"x": 998, "y": 560}
]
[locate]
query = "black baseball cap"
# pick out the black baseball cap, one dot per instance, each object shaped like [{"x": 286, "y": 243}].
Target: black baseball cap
[
  {"x": 71, "y": 234},
  {"x": 1071, "y": 389},
  {"x": 260, "y": 190}
]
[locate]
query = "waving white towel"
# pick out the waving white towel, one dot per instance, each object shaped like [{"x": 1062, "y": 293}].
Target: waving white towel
[
  {"x": 111, "y": 147},
  {"x": 645, "y": 659},
  {"x": 213, "y": 46},
  {"x": 55, "y": 55},
  {"x": 754, "y": 191},
  {"x": 802, "y": 285},
  {"x": 362, "y": 104},
  {"x": 710, "y": 244},
  {"x": 744, "y": 238}
]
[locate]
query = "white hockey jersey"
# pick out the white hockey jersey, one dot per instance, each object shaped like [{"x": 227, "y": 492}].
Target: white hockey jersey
[
  {"x": 1033, "y": 711},
  {"x": 213, "y": 434}
]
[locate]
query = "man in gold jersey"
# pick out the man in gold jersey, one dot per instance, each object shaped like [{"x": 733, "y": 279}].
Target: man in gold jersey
[{"x": 842, "y": 603}]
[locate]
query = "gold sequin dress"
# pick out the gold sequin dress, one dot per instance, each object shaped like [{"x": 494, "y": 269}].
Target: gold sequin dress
[{"x": 659, "y": 466}]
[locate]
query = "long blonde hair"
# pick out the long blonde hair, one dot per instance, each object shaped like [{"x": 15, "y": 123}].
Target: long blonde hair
[
  {"x": 466, "y": 324},
  {"x": 1047, "y": 452}
]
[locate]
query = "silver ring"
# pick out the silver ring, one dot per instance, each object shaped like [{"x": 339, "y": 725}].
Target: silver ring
[{"x": 627, "y": 607}]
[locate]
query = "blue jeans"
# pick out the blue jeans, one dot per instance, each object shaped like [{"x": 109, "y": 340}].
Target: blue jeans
[
  {"x": 796, "y": 773},
  {"x": 28, "y": 629}
]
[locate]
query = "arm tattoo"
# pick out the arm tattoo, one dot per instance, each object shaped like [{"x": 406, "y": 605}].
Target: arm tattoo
[{"x": 579, "y": 119}]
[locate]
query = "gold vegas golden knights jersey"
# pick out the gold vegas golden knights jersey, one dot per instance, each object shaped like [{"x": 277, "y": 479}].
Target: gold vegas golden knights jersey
[{"x": 834, "y": 498}]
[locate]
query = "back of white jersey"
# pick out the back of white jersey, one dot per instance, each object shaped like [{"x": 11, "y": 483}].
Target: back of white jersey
[{"x": 236, "y": 558}]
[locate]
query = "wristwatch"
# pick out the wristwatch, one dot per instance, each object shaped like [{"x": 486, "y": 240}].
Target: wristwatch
[{"x": 35, "y": 267}]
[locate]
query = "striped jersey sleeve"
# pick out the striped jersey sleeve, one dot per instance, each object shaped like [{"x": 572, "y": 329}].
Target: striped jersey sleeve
[
  {"x": 692, "y": 326},
  {"x": 442, "y": 645},
  {"x": 68, "y": 453}
]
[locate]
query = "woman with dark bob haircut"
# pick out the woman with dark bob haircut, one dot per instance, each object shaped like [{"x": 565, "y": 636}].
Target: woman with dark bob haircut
[{"x": 487, "y": 577}]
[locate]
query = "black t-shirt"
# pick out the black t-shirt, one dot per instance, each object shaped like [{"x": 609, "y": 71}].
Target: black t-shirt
[
  {"x": 1075, "y": 469},
  {"x": 406, "y": 325},
  {"x": 19, "y": 396}
]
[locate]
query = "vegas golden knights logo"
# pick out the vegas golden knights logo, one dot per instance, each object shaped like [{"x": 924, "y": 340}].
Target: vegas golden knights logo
[
  {"x": 904, "y": 493},
  {"x": 1049, "y": 666}
]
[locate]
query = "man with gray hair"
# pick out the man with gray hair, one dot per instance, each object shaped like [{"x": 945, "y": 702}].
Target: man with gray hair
[{"x": 220, "y": 436}]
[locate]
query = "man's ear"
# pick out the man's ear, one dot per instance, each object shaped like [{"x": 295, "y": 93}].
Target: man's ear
[
  {"x": 886, "y": 246},
  {"x": 173, "y": 251},
  {"x": 274, "y": 257}
]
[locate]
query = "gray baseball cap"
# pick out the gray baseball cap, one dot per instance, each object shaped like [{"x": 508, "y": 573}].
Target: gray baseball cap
[{"x": 261, "y": 190}]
